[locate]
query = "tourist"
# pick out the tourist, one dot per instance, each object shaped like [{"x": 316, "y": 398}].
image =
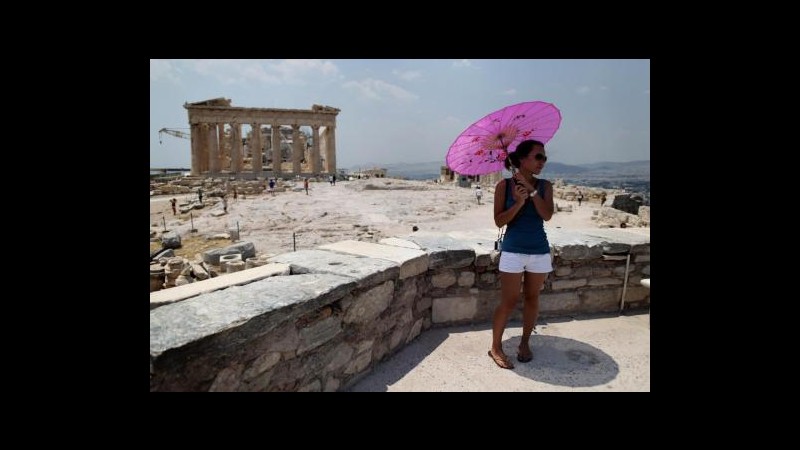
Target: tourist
[
  {"x": 305, "y": 184},
  {"x": 272, "y": 187},
  {"x": 225, "y": 203},
  {"x": 580, "y": 197},
  {"x": 174, "y": 210},
  {"x": 522, "y": 204},
  {"x": 200, "y": 194},
  {"x": 235, "y": 196},
  {"x": 603, "y": 199},
  {"x": 478, "y": 194}
]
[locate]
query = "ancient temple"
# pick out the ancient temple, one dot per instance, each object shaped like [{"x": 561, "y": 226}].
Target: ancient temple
[{"x": 274, "y": 147}]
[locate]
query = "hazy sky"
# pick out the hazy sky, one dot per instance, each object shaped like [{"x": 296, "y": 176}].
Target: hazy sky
[{"x": 412, "y": 110}]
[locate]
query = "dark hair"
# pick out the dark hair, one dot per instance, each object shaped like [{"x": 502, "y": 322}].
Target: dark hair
[{"x": 523, "y": 149}]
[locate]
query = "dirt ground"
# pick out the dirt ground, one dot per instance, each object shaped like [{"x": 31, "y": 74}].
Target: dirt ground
[{"x": 366, "y": 210}]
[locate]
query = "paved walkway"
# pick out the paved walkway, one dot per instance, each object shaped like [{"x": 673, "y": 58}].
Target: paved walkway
[{"x": 597, "y": 353}]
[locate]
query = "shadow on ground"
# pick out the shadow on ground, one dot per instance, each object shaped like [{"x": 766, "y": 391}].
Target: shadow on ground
[
  {"x": 563, "y": 361},
  {"x": 455, "y": 359}
]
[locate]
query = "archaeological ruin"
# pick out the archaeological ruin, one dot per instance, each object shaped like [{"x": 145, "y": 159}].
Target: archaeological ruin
[{"x": 278, "y": 148}]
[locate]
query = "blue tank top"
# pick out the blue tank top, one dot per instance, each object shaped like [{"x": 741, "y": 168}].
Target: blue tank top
[{"x": 525, "y": 233}]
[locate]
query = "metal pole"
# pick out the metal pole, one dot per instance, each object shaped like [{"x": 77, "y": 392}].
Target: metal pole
[
  {"x": 165, "y": 223},
  {"x": 191, "y": 217},
  {"x": 237, "y": 227},
  {"x": 625, "y": 284},
  {"x": 294, "y": 242}
]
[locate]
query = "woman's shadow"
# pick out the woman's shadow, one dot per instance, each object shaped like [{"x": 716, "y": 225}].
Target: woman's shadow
[{"x": 562, "y": 361}]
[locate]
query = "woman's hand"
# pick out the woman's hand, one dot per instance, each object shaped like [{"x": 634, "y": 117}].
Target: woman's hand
[
  {"x": 520, "y": 193},
  {"x": 520, "y": 179}
]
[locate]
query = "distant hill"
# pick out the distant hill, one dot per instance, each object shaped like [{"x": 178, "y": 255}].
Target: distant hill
[
  {"x": 630, "y": 168},
  {"x": 564, "y": 169},
  {"x": 639, "y": 170}
]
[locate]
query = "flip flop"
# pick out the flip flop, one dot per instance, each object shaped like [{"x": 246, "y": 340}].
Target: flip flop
[
  {"x": 501, "y": 361},
  {"x": 521, "y": 358}
]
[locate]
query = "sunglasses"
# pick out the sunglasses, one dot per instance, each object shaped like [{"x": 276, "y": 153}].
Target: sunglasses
[{"x": 540, "y": 157}]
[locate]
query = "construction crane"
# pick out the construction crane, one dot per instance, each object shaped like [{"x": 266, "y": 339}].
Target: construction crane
[{"x": 174, "y": 132}]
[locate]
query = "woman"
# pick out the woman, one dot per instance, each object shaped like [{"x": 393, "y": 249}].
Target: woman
[{"x": 522, "y": 203}]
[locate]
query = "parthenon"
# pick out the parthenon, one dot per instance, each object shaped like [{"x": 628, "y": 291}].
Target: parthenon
[{"x": 218, "y": 147}]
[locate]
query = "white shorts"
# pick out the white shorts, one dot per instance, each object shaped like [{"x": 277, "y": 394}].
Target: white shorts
[{"x": 518, "y": 262}]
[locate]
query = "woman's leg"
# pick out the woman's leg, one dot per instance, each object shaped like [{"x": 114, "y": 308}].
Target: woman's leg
[
  {"x": 533, "y": 285},
  {"x": 509, "y": 294}
]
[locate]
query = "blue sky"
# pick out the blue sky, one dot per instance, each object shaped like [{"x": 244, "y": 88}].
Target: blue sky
[{"x": 395, "y": 111}]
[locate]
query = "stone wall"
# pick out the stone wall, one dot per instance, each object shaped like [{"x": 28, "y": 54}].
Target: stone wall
[{"x": 319, "y": 320}]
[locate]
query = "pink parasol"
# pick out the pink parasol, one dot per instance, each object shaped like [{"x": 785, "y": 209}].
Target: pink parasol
[{"x": 484, "y": 145}]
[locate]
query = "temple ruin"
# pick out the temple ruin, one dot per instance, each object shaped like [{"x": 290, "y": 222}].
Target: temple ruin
[{"x": 274, "y": 147}]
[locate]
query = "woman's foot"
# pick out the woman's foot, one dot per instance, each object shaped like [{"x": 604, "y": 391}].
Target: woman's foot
[
  {"x": 501, "y": 360},
  {"x": 524, "y": 354}
]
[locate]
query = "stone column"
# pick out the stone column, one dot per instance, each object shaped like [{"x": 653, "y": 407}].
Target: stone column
[
  {"x": 236, "y": 147},
  {"x": 213, "y": 150},
  {"x": 255, "y": 149},
  {"x": 222, "y": 152},
  {"x": 315, "y": 150},
  {"x": 205, "y": 146},
  {"x": 297, "y": 149},
  {"x": 277, "y": 159},
  {"x": 196, "y": 149},
  {"x": 330, "y": 149}
]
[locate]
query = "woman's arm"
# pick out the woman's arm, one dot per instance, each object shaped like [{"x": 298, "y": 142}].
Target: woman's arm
[
  {"x": 544, "y": 206},
  {"x": 502, "y": 217}
]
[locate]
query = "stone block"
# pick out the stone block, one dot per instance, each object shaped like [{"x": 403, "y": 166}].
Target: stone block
[
  {"x": 560, "y": 285},
  {"x": 489, "y": 277},
  {"x": 565, "y": 301},
  {"x": 597, "y": 300},
  {"x": 340, "y": 355},
  {"x": 411, "y": 261},
  {"x": 171, "y": 239},
  {"x": 318, "y": 333},
  {"x": 331, "y": 385},
  {"x": 444, "y": 251},
  {"x": 452, "y": 309},
  {"x": 398, "y": 335},
  {"x": 168, "y": 296},
  {"x": 562, "y": 271},
  {"x": 443, "y": 279},
  {"x": 234, "y": 266},
  {"x": 247, "y": 250},
  {"x": 636, "y": 293},
  {"x": 261, "y": 365},
  {"x": 370, "y": 304},
  {"x": 577, "y": 252},
  {"x": 360, "y": 363},
  {"x": 314, "y": 386},
  {"x": 605, "y": 282},
  {"x": 363, "y": 346},
  {"x": 232, "y": 257},
  {"x": 366, "y": 272},
  {"x": 415, "y": 330},
  {"x": 252, "y": 309},
  {"x": 466, "y": 279},
  {"x": 199, "y": 271},
  {"x": 424, "y": 303},
  {"x": 227, "y": 380}
]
